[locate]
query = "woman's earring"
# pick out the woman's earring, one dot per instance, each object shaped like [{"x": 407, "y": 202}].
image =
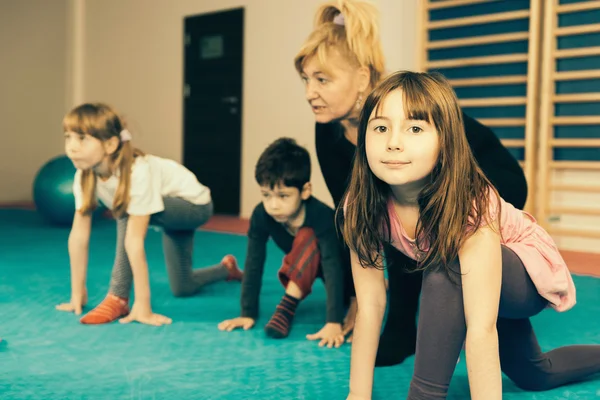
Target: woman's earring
[{"x": 358, "y": 103}]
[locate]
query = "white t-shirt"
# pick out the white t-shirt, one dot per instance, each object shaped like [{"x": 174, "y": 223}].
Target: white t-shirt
[{"x": 152, "y": 178}]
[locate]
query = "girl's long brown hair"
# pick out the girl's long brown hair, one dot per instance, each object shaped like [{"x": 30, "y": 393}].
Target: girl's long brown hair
[
  {"x": 449, "y": 202},
  {"x": 102, "y": 122}
]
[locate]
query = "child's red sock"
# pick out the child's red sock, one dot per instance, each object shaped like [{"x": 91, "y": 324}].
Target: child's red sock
[
  {"x": 234, "y": 273},
  {"x": 280, "y": 323},
  {"x": 111, "y": 309}
]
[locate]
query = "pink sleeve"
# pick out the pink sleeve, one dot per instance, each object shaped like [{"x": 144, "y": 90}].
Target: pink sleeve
[{"x": 492, "y": 209}]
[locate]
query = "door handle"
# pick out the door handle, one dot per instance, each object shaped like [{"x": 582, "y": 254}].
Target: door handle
[{"x": 229, "y": 99}]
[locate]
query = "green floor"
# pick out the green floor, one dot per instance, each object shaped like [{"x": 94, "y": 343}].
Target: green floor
[{"x": 49, "y": 355}]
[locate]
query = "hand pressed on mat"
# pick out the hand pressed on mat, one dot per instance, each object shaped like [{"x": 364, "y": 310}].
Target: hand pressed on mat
[
  {"x": 143, "y": 314},
  {"x": 330, "y": 335},
  {"x": 75, "y": 305},
  {"x": 239, "y": 322}
]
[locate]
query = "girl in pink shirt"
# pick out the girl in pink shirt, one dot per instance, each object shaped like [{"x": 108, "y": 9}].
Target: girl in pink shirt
[{"x": 487, "y": 266}]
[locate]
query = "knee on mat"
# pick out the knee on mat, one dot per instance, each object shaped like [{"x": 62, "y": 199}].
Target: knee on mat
[
  {"x": 532, "y": 380},
  {"x": 423, "y": 389},
  {"x": 534, "y": 384},
  {"x": 182, "y": 290}
]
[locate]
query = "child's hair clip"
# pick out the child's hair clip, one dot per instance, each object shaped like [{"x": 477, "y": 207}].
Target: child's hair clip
[
  {"x": 339, "y": 19},
  {"x": 125, "y": 135}
]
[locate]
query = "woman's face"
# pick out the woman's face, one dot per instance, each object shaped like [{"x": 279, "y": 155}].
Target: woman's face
[{"x": 332, "y": 93}]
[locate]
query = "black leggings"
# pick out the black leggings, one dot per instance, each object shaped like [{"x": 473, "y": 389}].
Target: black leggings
[
  {"x": 400, "y": 331},
  {"x": 442, "y": 332}
]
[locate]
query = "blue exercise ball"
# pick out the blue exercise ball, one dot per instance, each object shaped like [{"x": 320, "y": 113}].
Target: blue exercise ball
[{"x": 53, "y": 191}]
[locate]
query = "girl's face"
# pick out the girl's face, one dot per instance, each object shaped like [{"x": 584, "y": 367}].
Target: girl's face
[
  {"x": 85, "y": 151},
  {"x": 332, "y": 95},
  {"x": 399, "y": 150}
]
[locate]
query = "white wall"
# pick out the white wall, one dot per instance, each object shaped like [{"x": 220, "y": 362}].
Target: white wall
[
  {"x": 129, "y": 53},
  {"x": 133, "y": 59},
  {"x": 399, "y": 33},
  {"x": 33, "y": 86}
]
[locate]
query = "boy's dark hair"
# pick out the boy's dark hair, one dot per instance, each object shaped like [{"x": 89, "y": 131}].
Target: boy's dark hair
[{"x": 283, "y": 162}]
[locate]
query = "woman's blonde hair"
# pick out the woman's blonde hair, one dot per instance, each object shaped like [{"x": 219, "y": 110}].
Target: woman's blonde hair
[
  {"x": 103, "y": 123},
  {"x": 354, "y": 35}
]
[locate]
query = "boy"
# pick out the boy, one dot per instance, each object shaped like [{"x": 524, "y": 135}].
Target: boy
[{"x": 304, "y": 229}]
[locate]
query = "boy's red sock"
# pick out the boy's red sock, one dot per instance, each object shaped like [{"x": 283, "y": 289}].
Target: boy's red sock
[{"x": 280, "y": 323}]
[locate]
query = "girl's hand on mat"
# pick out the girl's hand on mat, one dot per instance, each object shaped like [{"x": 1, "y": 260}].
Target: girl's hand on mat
[
  {"x": 75, "y": 305},
  {"x": 331, "y": 335},
  {"x": 144, "y": 315},
  {"x": 239, "y": 322},
  {"x": 350, "y": 319}
]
